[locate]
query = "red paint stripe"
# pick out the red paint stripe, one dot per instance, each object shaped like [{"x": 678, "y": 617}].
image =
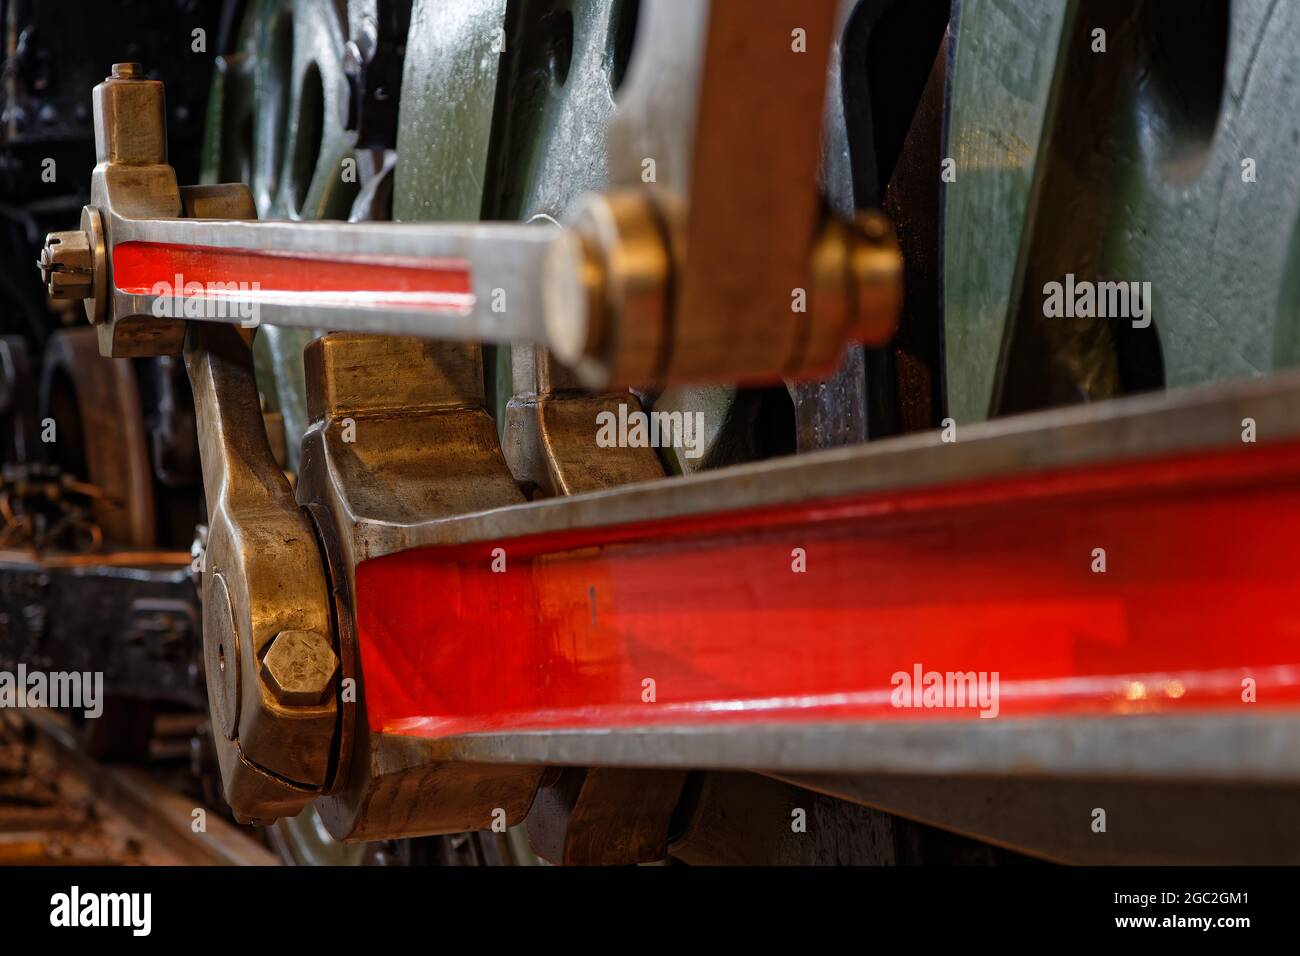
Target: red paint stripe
[
  {"x": 1199, "y": 593},
  {"x": 421, "y": 284}
]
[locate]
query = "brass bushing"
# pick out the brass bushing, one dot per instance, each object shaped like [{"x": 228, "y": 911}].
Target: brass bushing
[
  {"x": 855, "y": 290},
  {"x": 606, "y": 287}
]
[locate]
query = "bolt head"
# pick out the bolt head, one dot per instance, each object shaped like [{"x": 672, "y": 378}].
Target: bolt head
[{"x": 299, "y": 667}]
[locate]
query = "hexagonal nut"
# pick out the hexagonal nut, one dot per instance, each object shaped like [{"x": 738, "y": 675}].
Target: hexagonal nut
[
  {"x": 299, "y": 667},
  {"x": 68, "y": 265}
]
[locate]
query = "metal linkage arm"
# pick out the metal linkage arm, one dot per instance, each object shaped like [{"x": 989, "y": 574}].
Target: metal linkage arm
[
  {"x": 464, "y": 281},
  {"x": 150, "y": 253},
  {"x": 268, "y": 650},
  {"x": 689, "y": 279}
]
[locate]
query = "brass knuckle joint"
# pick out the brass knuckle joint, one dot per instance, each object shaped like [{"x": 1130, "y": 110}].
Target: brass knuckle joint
[
  {"x": 269, "y": 659},
  {"x": 269, "y": 655},
  {"x": 609, "y": 284}
]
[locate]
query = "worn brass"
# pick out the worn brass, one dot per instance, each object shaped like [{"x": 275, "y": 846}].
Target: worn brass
[
  {"x": 264, "y": 591},
  {"x": 609, "y": 284},
  {"x": 268, "y": 654},
  {"x": 855, "y": 291},
  {"x": 399, "y": 437},
  {"x": 132, "y": 180},
  {"x": 299, "y": 667},
  {"x": 74, "y": 266},
  {"x": 550, "y": 431}
]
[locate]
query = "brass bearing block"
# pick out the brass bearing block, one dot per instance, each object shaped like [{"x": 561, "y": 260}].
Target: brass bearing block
[{"x": 399, "y": 441}]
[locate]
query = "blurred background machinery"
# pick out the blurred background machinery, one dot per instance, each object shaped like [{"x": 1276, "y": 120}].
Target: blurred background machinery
[{"x": 100, "y": 484}]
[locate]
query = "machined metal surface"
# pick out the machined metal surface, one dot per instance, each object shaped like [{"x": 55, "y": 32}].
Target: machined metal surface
[
  {"x": 67, "y": 265},
  {"x": 435, "y": 281},
  {"x": 356, "y": 382},
  {"x": 440, "y": 279},
  {"x": 570, "y": 548},
  {"x": 473, "y": 261},
  {"x": 1257, "y": 749},
  {"x": 735, "y": 261},
  {"x": 598, "y": 815},
  {"x": 549, "y": 437},
  {"x": 1129, "y": 429},
  {"x": 361, "y": 656}
]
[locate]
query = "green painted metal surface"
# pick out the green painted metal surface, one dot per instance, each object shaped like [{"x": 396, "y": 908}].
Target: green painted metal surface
[
  {"x": 1165, "y": 159},
  {"x": 1002, "y": 80},
  {"x": 554, "y": 102},
  {"x": 1220, "y": 85},
  {"x": 448, "y": 89}
]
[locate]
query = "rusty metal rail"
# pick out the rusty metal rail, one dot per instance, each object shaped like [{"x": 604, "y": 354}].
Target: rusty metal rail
[{"x": 59, "y": 807}]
